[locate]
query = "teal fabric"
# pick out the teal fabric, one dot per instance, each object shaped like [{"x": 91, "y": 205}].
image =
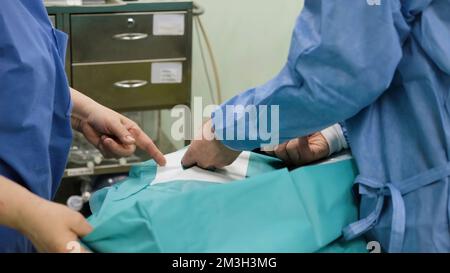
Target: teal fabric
[{"x": 273, "y": 210}]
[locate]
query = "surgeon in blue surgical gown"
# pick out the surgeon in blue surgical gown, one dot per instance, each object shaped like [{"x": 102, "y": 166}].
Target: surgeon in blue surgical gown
[
  {"x": 36, "y": 109},
  {"x": 382, "y": 69}
]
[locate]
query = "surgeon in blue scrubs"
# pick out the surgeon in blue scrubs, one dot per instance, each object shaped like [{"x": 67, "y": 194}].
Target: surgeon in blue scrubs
[
  {"x": 382, "y": 68},
  {"x": 36, "y": 109}
]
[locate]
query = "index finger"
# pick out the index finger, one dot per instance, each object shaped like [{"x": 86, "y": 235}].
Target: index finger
[
  {"x": 145, "y": 143},
  {"x": 188, "y": 159}
]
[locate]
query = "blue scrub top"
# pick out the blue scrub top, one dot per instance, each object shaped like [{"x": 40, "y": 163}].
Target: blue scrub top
[
  {"x": 35, "y": 105},
  {"x": 384, "y": 70}
]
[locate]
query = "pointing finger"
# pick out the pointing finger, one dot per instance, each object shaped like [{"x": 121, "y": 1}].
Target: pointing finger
[{"x": 146, "y": 143}]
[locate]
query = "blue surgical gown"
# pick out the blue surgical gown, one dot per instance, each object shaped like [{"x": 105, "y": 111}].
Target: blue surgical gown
[
  {"x": 384, "y": 70},
  {"x": 35, "y": 105}
]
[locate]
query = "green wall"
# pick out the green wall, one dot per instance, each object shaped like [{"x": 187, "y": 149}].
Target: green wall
[{"x": 250, "y": 39}]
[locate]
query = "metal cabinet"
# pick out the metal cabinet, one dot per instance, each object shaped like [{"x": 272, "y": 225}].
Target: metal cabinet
[
  {"x": 123, "y": 57},
  {"x": 116, "y": 54}
]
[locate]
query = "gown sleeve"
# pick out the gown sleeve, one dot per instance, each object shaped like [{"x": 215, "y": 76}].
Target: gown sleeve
[{"x": 343, "y": 56}]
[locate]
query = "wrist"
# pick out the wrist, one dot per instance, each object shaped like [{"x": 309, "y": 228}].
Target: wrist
[
  {"x": 76, "y": 123},
  {"x": 17, "y": 204},
  {"x": 335, "y": 139},
  {"x": 83, "y": 106},
  {"x": 85, "y": 110},
  {"x": 26, "y": 211}
]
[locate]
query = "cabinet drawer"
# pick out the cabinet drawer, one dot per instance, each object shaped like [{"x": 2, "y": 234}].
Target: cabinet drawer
[
  {"x": 129, "y": 87},
  {"x": 125, "y": 36}
]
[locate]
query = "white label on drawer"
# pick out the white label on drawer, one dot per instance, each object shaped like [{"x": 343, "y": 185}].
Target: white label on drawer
[
  {"x": 80, "y": 171},
  {"x": 168, "y": 24},
  {"x": 167, "y": 73}
]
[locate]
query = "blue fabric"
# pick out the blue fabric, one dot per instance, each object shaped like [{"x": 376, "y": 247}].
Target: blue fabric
[
  {"x": 344, "y": 131},
  {"x": 35, "y": 105},
  {"x": 385, "y": 71},
  {"x": 274, "y": 210}
]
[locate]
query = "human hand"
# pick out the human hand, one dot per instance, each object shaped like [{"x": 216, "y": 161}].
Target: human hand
[
  {"x": 53, "y": 228},
  {"x": 207, "y": 152},
  {"x": 114, "y": 134},
  {"x": 302, "y": 150}
]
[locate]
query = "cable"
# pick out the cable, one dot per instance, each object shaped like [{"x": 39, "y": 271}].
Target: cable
[
  {"x": 213, "y": 61},
  {"x": 198, "y": 11},
  {"x": 205, "y": 65}
]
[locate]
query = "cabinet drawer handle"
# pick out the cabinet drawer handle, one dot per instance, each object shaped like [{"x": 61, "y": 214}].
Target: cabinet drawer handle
[
  {"x": 130, "y": 36},
  {"x": 130, "y": 84}
]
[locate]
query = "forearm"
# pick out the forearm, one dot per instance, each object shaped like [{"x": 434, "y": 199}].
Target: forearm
[
  {"x": 82, "y": 104},
  {"x": 15, "y": 203}
]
